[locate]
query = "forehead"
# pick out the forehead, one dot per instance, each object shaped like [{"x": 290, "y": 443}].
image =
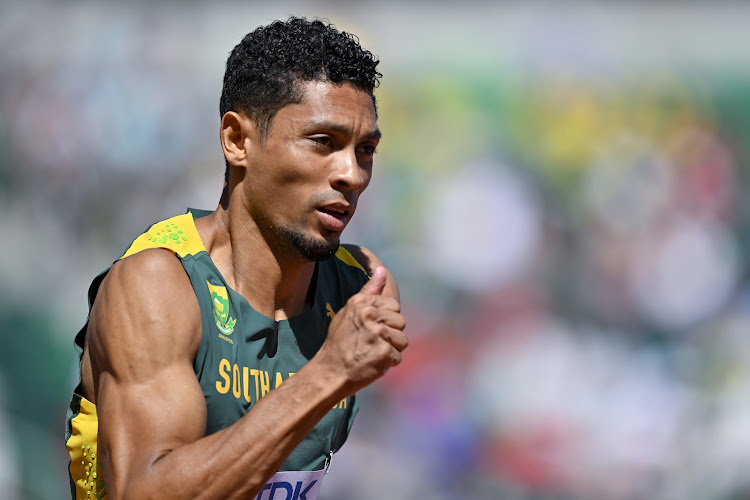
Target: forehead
[{"x": 325, "y": 102}]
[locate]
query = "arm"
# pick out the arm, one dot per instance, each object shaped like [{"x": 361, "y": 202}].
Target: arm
[
  {"x": 143, "y": 335},
  {"x": 370, "y": 262}
]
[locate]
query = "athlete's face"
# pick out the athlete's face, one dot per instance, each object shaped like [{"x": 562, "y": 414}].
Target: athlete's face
[{"x": 305, "y": 179}]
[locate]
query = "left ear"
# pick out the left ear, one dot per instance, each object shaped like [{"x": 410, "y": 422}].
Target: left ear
[{"x": 237, "y": 134}]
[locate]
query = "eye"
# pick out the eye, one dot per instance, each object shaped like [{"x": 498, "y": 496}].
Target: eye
[
  {"x": 322, "y": 140},
  {"x": 368, "y": 149}
]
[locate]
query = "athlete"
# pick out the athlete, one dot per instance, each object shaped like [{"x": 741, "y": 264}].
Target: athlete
[{"x": 223, "y": 350}]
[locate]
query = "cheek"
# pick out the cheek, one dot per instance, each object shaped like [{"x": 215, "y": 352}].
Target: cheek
[
  {"x": 366, "y": 178},
  {"x": 298, "y": 173},
  {"x": 289, "y": 177}
]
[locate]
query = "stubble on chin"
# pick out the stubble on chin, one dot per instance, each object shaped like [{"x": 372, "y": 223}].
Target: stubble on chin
[
  {"x": 295, "y": 244},
  {"x": 307, "y": 248}
]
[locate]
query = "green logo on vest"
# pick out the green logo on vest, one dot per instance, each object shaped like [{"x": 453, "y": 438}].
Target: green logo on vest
[
  {"x": 220, "y": 302},
  {"x": 170, "y": 234}
]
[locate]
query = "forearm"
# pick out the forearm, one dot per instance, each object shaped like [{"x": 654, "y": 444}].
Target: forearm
[{"x": 235, "y": 462}]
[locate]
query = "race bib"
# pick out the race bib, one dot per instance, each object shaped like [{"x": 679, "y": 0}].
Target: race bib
[{"x": 292, "y": 485}]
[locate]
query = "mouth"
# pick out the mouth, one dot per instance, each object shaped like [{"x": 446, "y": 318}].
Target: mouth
[{"x": 334, "y": 217}]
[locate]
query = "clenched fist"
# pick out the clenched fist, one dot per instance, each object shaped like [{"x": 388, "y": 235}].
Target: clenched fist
[{"x": 366, "y": 337}]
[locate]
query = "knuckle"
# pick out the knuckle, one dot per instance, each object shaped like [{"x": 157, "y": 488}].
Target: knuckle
[
  {"x": 382, "y": 330},
  {"x": 402, "y": 341},
  {"x": 384, "y": 351},
  {"x": 357, "y": 299},
  {"x": 396, "y": 358},
  {"x": 365, "y": 298},
  {"x": 400, "y": 322},
  {"x": 368, "y": 312}
]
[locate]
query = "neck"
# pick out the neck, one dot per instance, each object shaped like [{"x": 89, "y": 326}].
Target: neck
[{"x": 273, "y": 283}]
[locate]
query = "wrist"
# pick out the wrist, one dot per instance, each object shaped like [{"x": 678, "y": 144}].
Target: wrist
[{"x": 327, "y": 380}]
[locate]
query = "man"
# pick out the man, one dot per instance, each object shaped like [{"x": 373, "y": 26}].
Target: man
[{"x": 223, "y": 347}]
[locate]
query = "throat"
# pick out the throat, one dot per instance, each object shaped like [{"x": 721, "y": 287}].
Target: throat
[{"x": 297, "y": 304}]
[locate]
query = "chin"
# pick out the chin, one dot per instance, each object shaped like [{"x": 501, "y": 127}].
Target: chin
[{"x": 313, "y": 249}]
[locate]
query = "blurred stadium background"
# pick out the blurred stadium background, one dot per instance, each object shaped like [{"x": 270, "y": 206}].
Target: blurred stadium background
[{"x": 560, "y": 193}]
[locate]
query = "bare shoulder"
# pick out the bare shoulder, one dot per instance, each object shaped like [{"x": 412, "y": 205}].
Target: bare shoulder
[
  {"x": 370, "y": 262},
  {"x": 145, "y": 314}
]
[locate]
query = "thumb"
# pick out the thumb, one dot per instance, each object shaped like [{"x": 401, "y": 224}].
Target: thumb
[{"x": 377, "y": 283}]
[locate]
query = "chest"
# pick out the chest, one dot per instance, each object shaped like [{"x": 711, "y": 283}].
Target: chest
[{"x": 239, "y": 368}]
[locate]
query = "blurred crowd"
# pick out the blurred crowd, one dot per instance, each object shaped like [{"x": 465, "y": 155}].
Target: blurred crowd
[{"x": 562, "y": 202}]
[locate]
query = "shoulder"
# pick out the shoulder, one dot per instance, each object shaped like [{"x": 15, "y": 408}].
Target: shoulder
[
  {"x": 146, "y": 304},
  {"x": 150, "y": 273},
  {"x": 369, "y": 262}
]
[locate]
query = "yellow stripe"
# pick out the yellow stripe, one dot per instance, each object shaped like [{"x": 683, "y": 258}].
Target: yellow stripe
[
  {"x": 347, "y": 258},
  {"x": 85, "y": 468},
  {"x": 177, "y": 234}
]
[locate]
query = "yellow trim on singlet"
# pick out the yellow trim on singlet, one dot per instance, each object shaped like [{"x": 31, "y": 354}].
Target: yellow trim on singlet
[
  {"x": 85, "y": 468},
  {"x": 177, "y": 234},
  {"x": 347, "y": 258}
]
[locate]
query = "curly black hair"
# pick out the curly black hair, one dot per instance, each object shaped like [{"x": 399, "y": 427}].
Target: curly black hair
[{"x": 264, "y": 70}]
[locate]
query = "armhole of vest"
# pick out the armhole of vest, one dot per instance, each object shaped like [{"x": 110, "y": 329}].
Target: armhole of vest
[
  {"x": 74, "y": 408},
  {"x": 206, "y": 317},
  {"x": 347, "y": 258}
]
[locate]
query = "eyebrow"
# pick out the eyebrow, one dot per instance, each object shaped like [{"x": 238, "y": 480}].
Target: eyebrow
[{"x": 343, "y": 129}]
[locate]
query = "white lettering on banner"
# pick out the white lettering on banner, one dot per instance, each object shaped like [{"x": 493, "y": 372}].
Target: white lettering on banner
[{"x": 292, "y": 485}]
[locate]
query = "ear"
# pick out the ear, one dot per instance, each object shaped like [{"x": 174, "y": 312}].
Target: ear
[{"x": 236, "y": 135}]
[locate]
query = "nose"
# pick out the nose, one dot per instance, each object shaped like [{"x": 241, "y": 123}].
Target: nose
[{"x": 347, "y": 173}]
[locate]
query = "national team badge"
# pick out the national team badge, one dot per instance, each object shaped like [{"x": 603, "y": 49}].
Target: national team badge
[{"x": 220, "y": 302}]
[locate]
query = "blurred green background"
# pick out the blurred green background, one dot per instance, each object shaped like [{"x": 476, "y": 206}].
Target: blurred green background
[{"x": 560, "y": 193}]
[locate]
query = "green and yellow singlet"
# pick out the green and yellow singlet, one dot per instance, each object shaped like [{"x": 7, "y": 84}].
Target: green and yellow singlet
[{"x": 242, "y": 354}]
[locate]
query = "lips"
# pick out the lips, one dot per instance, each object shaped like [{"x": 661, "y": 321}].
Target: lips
[{"x": 334, "y": 217}]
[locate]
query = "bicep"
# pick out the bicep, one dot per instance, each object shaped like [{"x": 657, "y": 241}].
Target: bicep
[
  {"x": 143, "y": 339},
  {"x": 139, "y": 423}
]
